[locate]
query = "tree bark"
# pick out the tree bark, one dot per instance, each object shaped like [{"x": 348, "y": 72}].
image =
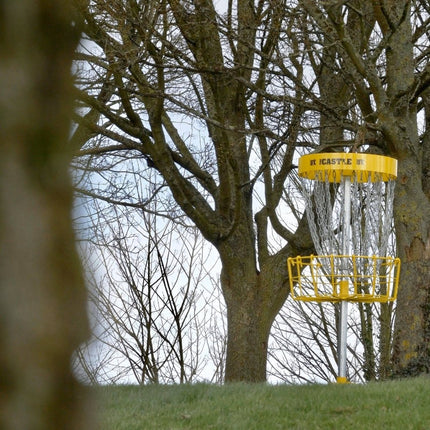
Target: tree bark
[
  {"x": 248, "y": 333},
  {"x": 253, "y": 298},
  {"x": 252, "y": 305},
  {"x": 412, "y": 217}
]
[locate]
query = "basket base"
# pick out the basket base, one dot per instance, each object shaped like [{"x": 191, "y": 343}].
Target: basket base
[
  {"x": 336, "y": 278},
  {"x": 356, "y": 298}
]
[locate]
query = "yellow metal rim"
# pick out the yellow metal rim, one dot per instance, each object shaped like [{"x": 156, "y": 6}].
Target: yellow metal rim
[{"x": 334, "y": 166}]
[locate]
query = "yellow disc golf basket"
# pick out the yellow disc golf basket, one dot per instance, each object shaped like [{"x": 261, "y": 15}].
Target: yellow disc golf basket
[{"x": 349, "y": 206}]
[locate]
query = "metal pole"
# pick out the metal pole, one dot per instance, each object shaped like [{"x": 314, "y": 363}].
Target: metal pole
[{"x": 344, "y": 269}]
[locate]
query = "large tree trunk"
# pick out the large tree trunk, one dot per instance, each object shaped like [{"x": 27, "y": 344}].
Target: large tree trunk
[
  {"x": 248, "y": 325},
  {"x": 248, "y": 333},
  {"x": 412, "y": 215},
  {"x": 253, "y": 298}
]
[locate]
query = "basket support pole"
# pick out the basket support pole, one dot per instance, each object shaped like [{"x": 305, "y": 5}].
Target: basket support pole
[
  {"x": 342, "y": 346},
  {"x": 341, "y": 379}
]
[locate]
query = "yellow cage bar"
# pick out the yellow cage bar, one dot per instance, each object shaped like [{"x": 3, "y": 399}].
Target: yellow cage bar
[{"x": 320, "y": 278}]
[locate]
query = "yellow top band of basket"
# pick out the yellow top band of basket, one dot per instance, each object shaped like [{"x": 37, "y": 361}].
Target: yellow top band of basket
[{"x": 334, "y": 166}]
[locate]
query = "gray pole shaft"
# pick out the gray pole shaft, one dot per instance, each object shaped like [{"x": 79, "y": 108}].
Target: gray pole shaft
[
  {"x": 344, "y": 270},
  {"x": 343, "y": 345}
]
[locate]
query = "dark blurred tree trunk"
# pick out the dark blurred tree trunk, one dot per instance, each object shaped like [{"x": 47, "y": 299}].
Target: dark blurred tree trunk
[{"x": 42, "y": 299}]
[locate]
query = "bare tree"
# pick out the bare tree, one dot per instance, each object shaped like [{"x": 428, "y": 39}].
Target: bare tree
[
  {"x": 92, "y": 363},
  {"x": 149, "y": 306},
  {"x": 304, "y": 344},
  {"x": 42, "y": 294},
  {"x": 152, "y": 70}
]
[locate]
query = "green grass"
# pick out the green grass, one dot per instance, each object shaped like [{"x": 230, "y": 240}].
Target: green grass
[{"x": 389, "y": 405}]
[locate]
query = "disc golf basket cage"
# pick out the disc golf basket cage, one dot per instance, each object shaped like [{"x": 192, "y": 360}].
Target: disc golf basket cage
[{"x": 349, "y": 207}]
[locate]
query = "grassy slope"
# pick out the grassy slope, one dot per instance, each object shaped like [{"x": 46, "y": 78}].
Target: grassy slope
[{"x": 389, "y": 405}]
